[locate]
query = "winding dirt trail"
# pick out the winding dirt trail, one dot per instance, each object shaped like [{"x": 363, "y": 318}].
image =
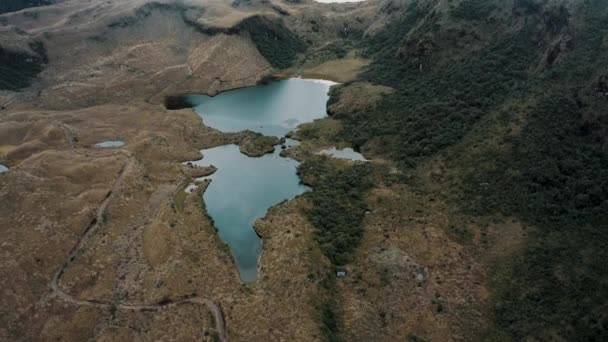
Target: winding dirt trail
[{"x": 96, "y": 222}]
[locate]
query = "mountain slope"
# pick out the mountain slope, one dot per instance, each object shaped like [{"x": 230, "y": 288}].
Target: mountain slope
[
  {"x": 16, "y": 5},
  {"x": 482, "y": 215},
  {"x": 532, "y": 73}
]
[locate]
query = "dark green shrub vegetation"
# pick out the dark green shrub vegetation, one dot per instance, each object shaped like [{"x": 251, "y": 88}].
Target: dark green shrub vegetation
[
  {"x": 337, "y": 50},
  {"x": 40, "y": 50},
  {"x": 553, "y": 174},
  {"x": 16, "y": 5},
  {"x": 384, "y": 45},
  {"x": 329, "y": 322},
  {"x": 240, "y": 3},
  {"x": 175, "y": 102},
  {"x": 556, "y": 177},
  {"x": 334, "y": 95},
  {"x": 18, "y": 69},
  {"x": 338, "y": 205},
  {"x": 434, "y": 109},
  {"x": 275, "y": 42},
  {"x": 527, "y": 6},
  {"x": 473, "y": 9},
  {"x": 415, "y": 338}
]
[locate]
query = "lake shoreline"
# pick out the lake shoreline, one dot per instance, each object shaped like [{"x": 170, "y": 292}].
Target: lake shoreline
[
  {"x": 253, "y": 199},
  {"x": 180, "y": 101}
]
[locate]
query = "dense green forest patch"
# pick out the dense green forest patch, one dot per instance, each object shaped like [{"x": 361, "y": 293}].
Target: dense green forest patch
[
  {"x": 434, "y": 109},
  {"x": 330, "y": 321},
  {"x": 338, "y": 209},
  {"x": 338, "y": 205},
  {"x": 552, "y": 173},
  {"x": 473, "y": 9},
  {"x": 18, "y": 69},
  {"x": 555, "y": 176},
  {"x": 556, "y": 179}
]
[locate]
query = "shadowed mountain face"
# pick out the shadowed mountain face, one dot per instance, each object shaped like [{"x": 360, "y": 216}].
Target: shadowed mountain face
[
  {"x": 18, "y": 69},
  {"x": 16, "y": 5}
]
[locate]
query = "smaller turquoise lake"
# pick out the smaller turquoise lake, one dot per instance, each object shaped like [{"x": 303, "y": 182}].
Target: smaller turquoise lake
[
  {"x": 3, "y": 168},
  {"x": 272, "y": 109},
  {"x": 241, "y": 191}
]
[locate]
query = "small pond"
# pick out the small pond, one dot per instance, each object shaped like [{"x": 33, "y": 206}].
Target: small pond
[
  {"x": 110, "y": 143},
  {"x": 3, "y": 168},
  {"x": 272, "y": 109}
]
